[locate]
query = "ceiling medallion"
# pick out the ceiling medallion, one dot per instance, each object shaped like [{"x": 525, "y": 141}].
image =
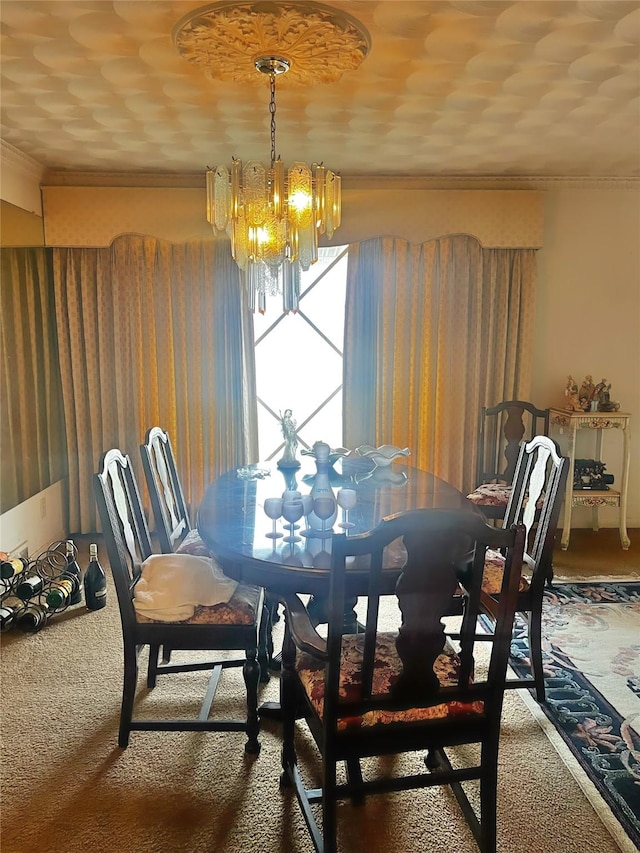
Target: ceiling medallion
[{"x": 225, "y": 39}]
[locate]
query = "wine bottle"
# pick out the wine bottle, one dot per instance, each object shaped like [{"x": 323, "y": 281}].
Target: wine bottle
[
  {"x": 7, "y": 617},
  {"x": 73, "y": 569},
  {"x": 32, "y": 618},
  {"x": 95, "y": 582},
  {"x": 60, "y": 592},
  {"x": 13, "y": 566},
  {"x": 29, "y": 587}
]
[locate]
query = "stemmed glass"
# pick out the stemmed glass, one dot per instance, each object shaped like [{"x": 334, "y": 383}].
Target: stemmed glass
[
  {"x": 324, "y": 509},
  {"x": 292, "y": 511},
  {"x": 273, "y": 510},
  {"x": 291, "y": 495},
  {"x": 347, "y": 500}
]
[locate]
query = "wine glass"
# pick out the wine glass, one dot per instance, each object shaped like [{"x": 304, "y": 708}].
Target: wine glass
[
  {"x": 273, "y": 510},
  {"x": 292, "y": 511},
  {"x": 291, "y": 495},
  {"x": 347, "y": 500},
  {"x": 324, "y": 509}
]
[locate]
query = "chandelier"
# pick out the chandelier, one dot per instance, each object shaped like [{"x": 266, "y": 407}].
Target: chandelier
[{"x": 274, "y": 215}]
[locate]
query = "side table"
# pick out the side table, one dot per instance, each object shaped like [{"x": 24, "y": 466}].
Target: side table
[{"x": 563, "y": 422}]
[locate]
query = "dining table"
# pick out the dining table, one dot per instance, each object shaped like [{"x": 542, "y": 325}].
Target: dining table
[{"x": 231, "y": 519}]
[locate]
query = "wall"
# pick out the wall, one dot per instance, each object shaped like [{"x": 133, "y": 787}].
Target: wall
[
  {"x": 588, "y": 316},
  {"x": 20, "y": 228},
  {"x": 35, "y": 523}
]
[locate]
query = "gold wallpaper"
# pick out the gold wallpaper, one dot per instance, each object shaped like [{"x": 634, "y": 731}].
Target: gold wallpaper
[{"x": 94, "y": 216}]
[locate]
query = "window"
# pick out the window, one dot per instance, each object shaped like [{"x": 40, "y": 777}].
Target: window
[{"x": 299, "y": 358}]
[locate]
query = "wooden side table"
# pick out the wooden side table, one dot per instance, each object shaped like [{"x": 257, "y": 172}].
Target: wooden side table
[{"x": 564, "y": 423}]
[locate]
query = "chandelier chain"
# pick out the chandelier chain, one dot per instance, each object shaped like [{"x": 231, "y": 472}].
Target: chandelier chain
[{"x": 272, "y": 110}]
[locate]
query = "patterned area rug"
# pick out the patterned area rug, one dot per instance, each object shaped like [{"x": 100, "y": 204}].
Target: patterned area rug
[{"x": 591, "y": 637}]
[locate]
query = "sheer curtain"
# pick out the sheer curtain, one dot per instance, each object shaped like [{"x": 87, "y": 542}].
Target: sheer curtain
[
  {"x": 432, "y": 333},
  {"x": 32, "y": 436},
  {"x": 153, "y": 333}
]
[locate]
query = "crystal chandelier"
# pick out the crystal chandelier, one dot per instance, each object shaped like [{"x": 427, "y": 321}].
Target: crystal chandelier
[{"x": 274, "y": 215}]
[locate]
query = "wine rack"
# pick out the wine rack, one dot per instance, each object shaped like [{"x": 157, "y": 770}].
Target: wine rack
[{"x": 39, "y": 589}]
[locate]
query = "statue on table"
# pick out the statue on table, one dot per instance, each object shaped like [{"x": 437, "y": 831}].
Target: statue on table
[
  {"x": 602, "y": 395},
  {"x": 571, "y": 393},
  {"x": 288, "y": 426},
  {"x": 586, "y": 392}
]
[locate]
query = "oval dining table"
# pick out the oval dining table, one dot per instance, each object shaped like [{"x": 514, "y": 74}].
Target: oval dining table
[{"x": 232, "y": 522}]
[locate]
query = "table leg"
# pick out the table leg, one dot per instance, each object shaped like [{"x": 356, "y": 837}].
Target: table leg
[
  {"x": 624, "y": 536},
  {"x": 568, "y": 492}
]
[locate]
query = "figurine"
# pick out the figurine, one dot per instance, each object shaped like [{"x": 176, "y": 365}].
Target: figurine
[
  {"x": 603, "y": 397},
  {"x": 586, "y": 392},
  {"x": 571, "y": 392},
  {"x": 288, "y": 426}
]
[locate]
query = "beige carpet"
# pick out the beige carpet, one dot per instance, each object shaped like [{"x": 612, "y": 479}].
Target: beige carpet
[{"x": 68, "y": 788}]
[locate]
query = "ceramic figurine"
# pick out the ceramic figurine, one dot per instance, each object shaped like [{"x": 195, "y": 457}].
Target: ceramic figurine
[
  {"x": 571, "y": 393},
  {"x": 585, "y": 395},
  {"x": 288, "y": 426}
]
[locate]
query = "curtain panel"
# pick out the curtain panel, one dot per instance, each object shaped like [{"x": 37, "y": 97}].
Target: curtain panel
[
  {"x": 153, "y": 333},
  {"x": 432, "y": 333},
  {"x": 32, "y": 436}
]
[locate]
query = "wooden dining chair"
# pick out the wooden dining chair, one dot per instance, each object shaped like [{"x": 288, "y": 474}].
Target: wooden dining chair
[
  {"x": 535, "y": 501},
  {"x": 386, "y": 690},
  {"x": 168, "y": 504},
  {"x": 232, "y": 624},
  {"x": 503, "y": 428}
]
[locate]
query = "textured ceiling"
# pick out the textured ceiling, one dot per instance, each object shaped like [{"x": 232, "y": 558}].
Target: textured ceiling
[{"x": 448, "y": 88}]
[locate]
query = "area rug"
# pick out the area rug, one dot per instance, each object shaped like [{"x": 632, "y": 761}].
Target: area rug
[{"x": 591, "y": 655}]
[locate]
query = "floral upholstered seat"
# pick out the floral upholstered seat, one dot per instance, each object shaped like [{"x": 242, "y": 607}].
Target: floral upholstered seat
[
  {"x": 241, "y": 609},
  {"x": 491, "y": 494},
  {"x": 493, "y": 572},
  {"x": 193, "y": 544},
  {"x": 388, "y": 667}
]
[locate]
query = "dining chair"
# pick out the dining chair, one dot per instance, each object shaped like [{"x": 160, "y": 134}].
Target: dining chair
[
  {"x": 390, "y": 690},
  {"x": 171, "y": 515},
  {"x": 535, "y": 501},
  {"x": 168, "y": 504},
  {"x": 159, "y": 607},
  {"x": 503, "y": 428}
]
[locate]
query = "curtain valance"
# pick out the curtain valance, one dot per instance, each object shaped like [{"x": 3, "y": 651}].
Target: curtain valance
[{"x": 94, "y": 216}]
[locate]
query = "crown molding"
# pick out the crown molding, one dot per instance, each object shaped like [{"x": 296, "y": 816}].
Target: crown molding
[
  {"x": 196, "y": 180},
  {"x": 486, "y": 182},
  {"x": 14, "y": 158},
  {"x": 20, "y": 177}
]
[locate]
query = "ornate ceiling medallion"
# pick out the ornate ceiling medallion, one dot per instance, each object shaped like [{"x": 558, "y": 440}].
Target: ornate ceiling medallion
[{"x": 225, "y": 40}]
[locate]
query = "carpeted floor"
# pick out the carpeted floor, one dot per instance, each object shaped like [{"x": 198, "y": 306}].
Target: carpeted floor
[
  {"x": 591, "y": 666},
  {"x": 68, "y": 788}
]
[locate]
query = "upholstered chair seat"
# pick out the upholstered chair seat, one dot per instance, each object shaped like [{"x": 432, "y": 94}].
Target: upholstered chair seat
[
  {"x": 493, "y": 571},
  {"x": 387, "y": 670},
  {"x": 490, "y": 494},
  {"x": 193, "y": 544}
]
